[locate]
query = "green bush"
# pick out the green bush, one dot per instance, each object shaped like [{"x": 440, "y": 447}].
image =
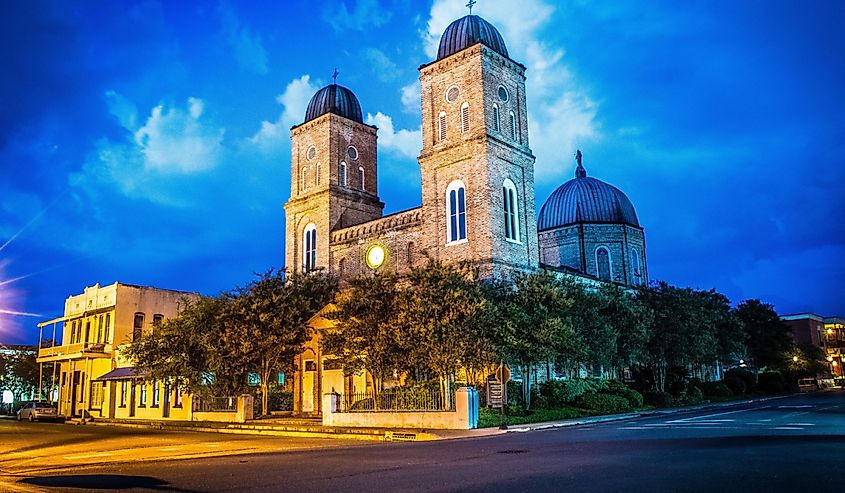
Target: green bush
[
  {"x": 736, "y": 385},
  {"x": 689, "y": 397},
  {"x": 694, "y": 392},
  {"x": 715, "y": 389},
  {"x": 558, "y": 393},
  {"x": 659, "y": 399},
  {"x": 615, "y": 387},
  {"x": 747, "y": 377},
  {"x": 771, "y": 382},
  {"x": 603, "y": 403}
]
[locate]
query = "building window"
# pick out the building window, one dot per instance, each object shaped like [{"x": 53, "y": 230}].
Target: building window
[
  {"x": 317, "y": 174},
  {"x": 341, "y": 267},
  {"x": 361, "y": 173},
  {"x": 465, "y": 117},
  {"x": 636, "y": 268},
  {"x": 100, "y": 329},
  {"x": 158, "y": 318},
  {"x": 456, "y": 225},
  {"x": 511, "y": 211},
  {"x": 352, "y": 152},
  {"x": 512, "y": 118},
  {"x": 496, "y": 124},
  {"x": 441, "y": 126},
  {"x": 177, "y": 396},
  {"x": 156, "y": 393},
  {"x": 87, "y": 331},
  {"x": 603, "y": 267},
  {"x": 452, "y": 94},
  {"x": 142, "y": 400},
  {"x": 309, "y": 243},
  {"x": 341, "y": 173},
  {"x": 311, "y": 153},
  {"x": 123, "y": 389},
  {"x": 106, "y": 331},
  {"x": 503, "y": 94},
  {"x": 137, "y": 326}
]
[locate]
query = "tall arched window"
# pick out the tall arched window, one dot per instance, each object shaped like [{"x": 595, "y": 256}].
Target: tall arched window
[
  {"x": 496, "y": 124},
  {"x": 511, "y": 210},
  {"x": 341, "y": 267},
  {"x": 309, "y": 247},
  {"x": 636, "y": 268},
  {"x": 603, "y": 267},
  {"x": 456, "y": 224},
  {"x": 441, "y": 126},
  {"x": 361, "y": 173},
  {"x": 341, "y": 174},
  {"x": 465, "y": 117},
  {"x": 317, "y": 174},
  {"x": 512, "y": 118}
]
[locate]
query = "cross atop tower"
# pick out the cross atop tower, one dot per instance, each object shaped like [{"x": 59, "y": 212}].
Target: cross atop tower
[
  {"x": 334, "y": 75},
  {"x": 470, "y": 4}
]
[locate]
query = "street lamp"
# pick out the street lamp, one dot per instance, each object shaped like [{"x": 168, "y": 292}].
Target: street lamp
[{"x": 795, "y": 359}]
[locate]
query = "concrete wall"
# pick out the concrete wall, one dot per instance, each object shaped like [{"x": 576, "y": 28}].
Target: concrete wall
[{"x": 464, "y": 417}]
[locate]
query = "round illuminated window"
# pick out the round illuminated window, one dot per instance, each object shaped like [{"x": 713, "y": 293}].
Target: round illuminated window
[
  {"x": 375, "y": 256},
  {"x": 452, "y": 94},
  {"x": 352, "y": 152},
  {"x": 503, "y": 94},
  {"x": 311, "y": 153}
]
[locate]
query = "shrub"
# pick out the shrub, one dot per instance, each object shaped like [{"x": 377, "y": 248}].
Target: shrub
[
  {"x": 715, "y": 389},
  {"x": 736, "y": 385},
  {"x": 689, "y": 397},
  {"x": 603, "y": 403},
  {"x": 615, "y": 387},
  {"x": 659, "y": 399},
  {"x": 747, "y": 377},
  {"x": 771, "y": 382},
  {"x": 558, "y": 393},
  {"x": 694, "y": 392}
]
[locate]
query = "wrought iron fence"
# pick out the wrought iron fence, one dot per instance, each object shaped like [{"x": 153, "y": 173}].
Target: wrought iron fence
[
  {"x": 216, "y": 404},
  {"x": 395, "y": 400}
]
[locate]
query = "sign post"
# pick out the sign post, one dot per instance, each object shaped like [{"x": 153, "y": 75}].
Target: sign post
[{"x": 503, "y": 376}]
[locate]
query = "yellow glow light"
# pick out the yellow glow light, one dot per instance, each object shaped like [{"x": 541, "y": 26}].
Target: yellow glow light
[{"x": 375, "y": 256}]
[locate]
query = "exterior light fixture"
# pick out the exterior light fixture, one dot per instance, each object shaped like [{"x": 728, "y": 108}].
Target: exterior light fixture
[
  {"x": 795, "y": 359},
  {"x": 375, "y": 256}
]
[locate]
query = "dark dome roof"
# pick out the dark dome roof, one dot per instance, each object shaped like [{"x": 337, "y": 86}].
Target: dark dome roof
[
  {"x": 586, "y": 200},
  {"x": 334, "y": 99},
  {"x": 468, "y": 31}
]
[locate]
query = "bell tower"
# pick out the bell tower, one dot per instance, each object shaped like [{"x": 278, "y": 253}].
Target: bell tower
[
  {"x": 334, "y": 177},
  {"x": 476, "y": 165}
]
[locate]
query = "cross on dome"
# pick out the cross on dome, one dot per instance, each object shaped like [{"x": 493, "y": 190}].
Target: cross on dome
[{"x": 470, "y": 5}]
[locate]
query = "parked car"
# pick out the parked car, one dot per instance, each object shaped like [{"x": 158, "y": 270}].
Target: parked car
[{"x": 37, "y": 410}]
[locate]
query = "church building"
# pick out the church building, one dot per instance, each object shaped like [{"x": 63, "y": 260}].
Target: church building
[{"x": 478, "y": 201}]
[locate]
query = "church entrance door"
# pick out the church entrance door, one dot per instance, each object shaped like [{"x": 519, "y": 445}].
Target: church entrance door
[{"x": 308, "y": 386}]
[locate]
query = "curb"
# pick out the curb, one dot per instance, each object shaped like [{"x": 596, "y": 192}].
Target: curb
[{"x": 622, "y": 417}]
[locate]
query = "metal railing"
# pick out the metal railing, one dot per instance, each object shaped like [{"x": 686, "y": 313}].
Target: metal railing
[
  {"x": 80, "y": 347},
  {"x": 216, "y": 404},
  {"x": 395, "y": 400}
]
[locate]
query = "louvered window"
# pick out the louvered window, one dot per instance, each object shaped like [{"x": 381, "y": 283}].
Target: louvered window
[
  {"x": 465, "y": 117},
  {"x": 441, "y": 126}
]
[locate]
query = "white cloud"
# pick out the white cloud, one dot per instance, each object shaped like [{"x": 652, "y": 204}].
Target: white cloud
[
  {"x": 562, "y": 116},
  {"x": 274, "y": 136},
  {"x": 381, "y": 64},
  {"x": 247, "y": 46},
  {"x": 405, "y": 143},
  {"x": 364, "y": 13},
  {"x": 411, "y": 97}
]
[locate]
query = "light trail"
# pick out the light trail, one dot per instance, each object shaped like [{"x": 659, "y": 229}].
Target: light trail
[
  {"x": 38, "y": 216},
  {"x": 20, "y": 314}
]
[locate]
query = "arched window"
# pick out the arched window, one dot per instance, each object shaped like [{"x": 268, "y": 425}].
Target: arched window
[
  {"x": 513, "y": 125},
  {"x": 441, "y": 126},
  {"x": 465, "y": 117},
  {"x": 361, "y": 173},
  {"x": 309, "y": 247},
  {"x": 303, "y": 180},
  {"x": 341, "y": 174},
  {"x": 636, "y": 268},
  {"x": 456, "y": 224},
  {"x": 496, "y": 124},
  {"x": 137, "y": 326},
  {"x": 317, "y": 174},
  {"x": 603, "y": 267},
  {"x": 341, "y": 267},
  {"x": 511, "y": 210}
]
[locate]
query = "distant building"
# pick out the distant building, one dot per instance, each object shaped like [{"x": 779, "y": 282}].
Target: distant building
[
  {"x": 827, "y": 333},
  {"x": 92, "y": 378}
]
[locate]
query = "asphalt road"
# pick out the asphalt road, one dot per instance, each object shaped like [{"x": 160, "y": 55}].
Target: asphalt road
[{"x": 794, "y": 444}]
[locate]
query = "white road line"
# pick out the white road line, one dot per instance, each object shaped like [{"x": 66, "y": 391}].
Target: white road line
[
  {"x": 87, "y": 456},
  {"x": 788, "y": 428},
  {"x": 801, "y": 424},
  {"x": 803, "y": 406},
  {"x": 716, "y": 414},
  {"x": 633, "y": 428}
]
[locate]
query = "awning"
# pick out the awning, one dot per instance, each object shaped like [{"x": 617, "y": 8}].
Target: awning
[{"x": 126, "y": 373}]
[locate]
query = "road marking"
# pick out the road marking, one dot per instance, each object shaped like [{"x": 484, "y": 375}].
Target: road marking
[
  {"x": 633, "y": 428},
  {"x": 803, "y": 406},
  {"x": 87, "y": 456},
  {"x": 788, "y": 428},
  {"x": 801, "y": 424},
  {"x": 684, "y": 420}
]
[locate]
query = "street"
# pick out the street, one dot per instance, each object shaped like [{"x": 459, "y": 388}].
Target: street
[{"x": 788, "y": 444}]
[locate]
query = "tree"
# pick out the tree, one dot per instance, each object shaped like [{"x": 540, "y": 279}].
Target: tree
[
  {"x": 768, "y": 339},
  {"x": 630, "y": 320},
  {"x": 367, "y": 334}
]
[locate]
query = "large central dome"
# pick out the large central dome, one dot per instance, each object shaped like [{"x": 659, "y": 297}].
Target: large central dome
[
  {"x": 334, "y": 99},
  {"x": 467, "y": 31},
  {"x": 586, "y": 200}
]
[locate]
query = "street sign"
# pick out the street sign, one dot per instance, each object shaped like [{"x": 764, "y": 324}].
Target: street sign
[
  {"x": 503, "y": 374},
  {"x": 494, "y": 393}
]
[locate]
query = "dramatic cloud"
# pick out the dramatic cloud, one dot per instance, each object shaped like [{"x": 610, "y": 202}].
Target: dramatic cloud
[
  {"x": 275, "y": 136},
  {"x": 364, "y": 13},
  {"x": 406, "y": 143},
  {"x": 383, "y": 66},
  {"x": 411, "y": 97},
  {"x": 246, "y": 45}
]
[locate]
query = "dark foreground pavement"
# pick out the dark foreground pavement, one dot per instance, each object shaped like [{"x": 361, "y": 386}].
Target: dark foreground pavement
[{"x": 795, "y": 444}]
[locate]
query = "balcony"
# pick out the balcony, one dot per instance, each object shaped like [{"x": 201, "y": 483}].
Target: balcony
[
  {"x": 832, "y": 343},
  {"x": 74, "y": 351}
]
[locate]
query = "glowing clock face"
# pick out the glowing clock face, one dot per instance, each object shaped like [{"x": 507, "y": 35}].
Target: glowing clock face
[{"x": 375, "y": 256}]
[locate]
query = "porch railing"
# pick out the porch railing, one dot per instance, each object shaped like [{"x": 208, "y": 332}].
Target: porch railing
[
  {"x": 395, "y": 400},
  {"x": 216, "y": 404}
]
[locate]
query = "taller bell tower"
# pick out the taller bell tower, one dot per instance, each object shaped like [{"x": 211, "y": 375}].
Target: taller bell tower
[
  {"x": 477, "y": 168},
  {"x": 334, "y": 177}
]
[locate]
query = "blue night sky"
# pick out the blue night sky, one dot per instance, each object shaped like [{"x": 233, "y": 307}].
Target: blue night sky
[{"x": 148, "y": 142}]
